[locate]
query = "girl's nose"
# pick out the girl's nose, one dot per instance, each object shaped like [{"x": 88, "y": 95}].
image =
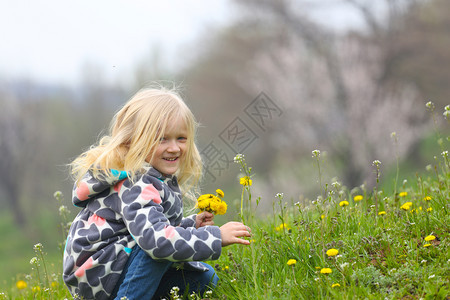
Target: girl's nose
[{"x": 173, "y": 146}]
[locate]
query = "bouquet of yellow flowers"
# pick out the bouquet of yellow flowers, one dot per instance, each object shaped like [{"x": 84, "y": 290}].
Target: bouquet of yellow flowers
[{"x": 212, "y": 203}]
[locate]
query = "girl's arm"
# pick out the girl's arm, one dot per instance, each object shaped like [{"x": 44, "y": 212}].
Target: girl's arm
[
  {"x": 198, "y": 220},
  {"x": 145, "y": 220},
  {"x": 189, "y": 221}
]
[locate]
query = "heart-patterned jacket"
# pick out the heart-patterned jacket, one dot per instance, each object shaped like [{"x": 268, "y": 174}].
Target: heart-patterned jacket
[{"x": 118, "y": 213}]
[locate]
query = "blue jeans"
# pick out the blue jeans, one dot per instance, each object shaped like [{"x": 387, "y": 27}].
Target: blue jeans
[{"x": 145, "y": 278}]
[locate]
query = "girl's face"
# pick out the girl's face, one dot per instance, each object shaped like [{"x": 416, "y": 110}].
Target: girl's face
[{"x": 170, "y": 152}]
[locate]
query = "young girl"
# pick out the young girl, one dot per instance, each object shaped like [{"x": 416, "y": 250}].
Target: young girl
[{"x": 130, "y": 238}]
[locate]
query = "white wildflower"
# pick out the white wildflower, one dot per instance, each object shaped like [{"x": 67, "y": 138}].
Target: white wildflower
[
  {"x": 38, "y": 246},
  {"x": 446, "y": 114},
  {"x": 63, "y": 209},
  {"x": 238, "y": 158},
  {"x": 344, "y": 265},
  {"x": 34, "y": 261},
  {"x": 336, "y": 184},
  {"x": 316, "y": 153}
]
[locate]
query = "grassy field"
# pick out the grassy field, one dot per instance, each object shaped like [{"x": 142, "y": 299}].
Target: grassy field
[
  {"x": 346, "y": 244},
  {"x": 349, "y": 244}
]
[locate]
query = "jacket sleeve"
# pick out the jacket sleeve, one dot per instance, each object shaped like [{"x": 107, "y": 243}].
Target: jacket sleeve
[
  {"x": 143, "y": 215},
  {"x": 188, "y": 221}
]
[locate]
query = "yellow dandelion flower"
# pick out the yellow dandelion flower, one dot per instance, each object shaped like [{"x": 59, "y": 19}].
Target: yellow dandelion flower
[
  {"x": 427, "y": 245},
  {"x": 429, "y": 209},
  {"x": 291, "y": 262},
  {"x": 326, "y": 271},
  {"x": 343, "y": 203},
  {"x": 54, "y": 284},
  {"x": 430, "y": 238},
  {"x": 332, "y": 252},
  {"x": 381, "y": 213},
  {"x": 335, "y": 285},
  {"x": 427, "y": 198},
  {"x": 222, "y": 209},
  {"x": 211, "y": 203},
  {"x": 214, "y": 205},
  {"x": 21, "y": 284},
  {"x": 245, "y": 181},
  {"x": 36, "y": 289},
  {"x": 282, "y": 226},
  {"x": 403, "y": 194},
  {"x": 358, "y": 198},
  {"x": 322, "y": 217},
  {"x": 220, "y": 193},
  {"x": 203, "y": 201},
  {"x": 406, "y": 206}
]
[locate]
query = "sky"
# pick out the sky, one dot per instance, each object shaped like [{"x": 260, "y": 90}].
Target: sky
[{"x": 50, "y": 40}]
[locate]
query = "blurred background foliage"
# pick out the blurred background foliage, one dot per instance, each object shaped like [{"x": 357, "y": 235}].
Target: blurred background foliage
[{"x": 341, "y": 91}]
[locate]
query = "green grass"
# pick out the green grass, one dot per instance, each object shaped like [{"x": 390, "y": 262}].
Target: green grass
[{"x": 380, "y": 256}]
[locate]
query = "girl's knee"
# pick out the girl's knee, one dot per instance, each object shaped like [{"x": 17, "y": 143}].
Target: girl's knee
[{"x": 210, "y": 277}]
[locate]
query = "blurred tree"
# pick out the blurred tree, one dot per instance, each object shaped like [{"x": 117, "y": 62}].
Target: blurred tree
[
  {"x": 344, "y": 93},
  {"x": 21, "y": 142},
  {"x": 415, "y": 38},
  {"x": 42, "y": 128},
  {"x": 217, "y": 95},
  {"x": 335, "y": 87}
]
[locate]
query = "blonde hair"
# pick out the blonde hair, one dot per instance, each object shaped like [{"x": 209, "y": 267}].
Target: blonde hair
[{"x": 134, "y": 135}]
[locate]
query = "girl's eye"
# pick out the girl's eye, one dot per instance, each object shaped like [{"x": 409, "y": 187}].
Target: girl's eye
[{"x": 182, "y": 138}]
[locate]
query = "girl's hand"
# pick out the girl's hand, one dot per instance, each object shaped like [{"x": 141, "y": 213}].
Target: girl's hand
[
  {"x": 203, "y": 219},
  {"x": 231, "y": 233}
]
